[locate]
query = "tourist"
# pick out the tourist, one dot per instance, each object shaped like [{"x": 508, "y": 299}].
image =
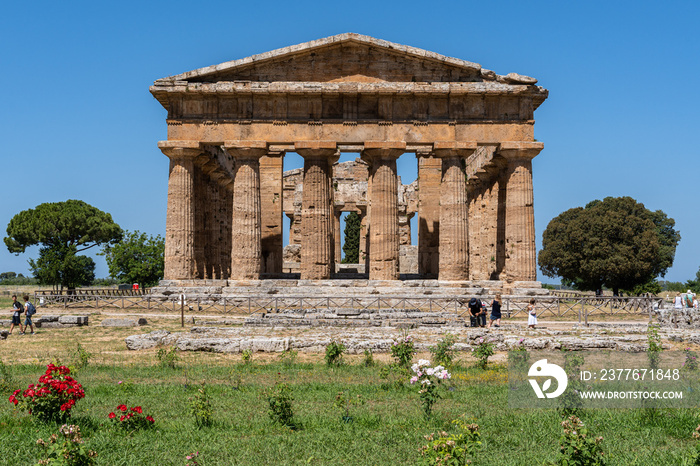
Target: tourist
[
  {"x": 29, "y": 311},
  {"x": 531, "y": 314},
  {"x": 495, "y": 319},
  {"x": 16, "y": 311},
  {"x": 678, "y": 302},
  {"x": 478, "y": 315}
]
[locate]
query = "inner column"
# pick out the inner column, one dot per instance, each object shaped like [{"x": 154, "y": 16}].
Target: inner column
[
  {"x": 246, "y": 252},
  {"x": 317, "y": 220},
  {"x": 454, "y": 210},
  {"x": 383, "y": 212}
]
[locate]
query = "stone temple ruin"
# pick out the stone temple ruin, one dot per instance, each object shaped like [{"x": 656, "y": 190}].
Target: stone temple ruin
[{"x": 470, "y": 130}]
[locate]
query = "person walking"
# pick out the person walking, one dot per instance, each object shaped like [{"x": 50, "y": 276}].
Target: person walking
[
  {"x": 16, "y": 311},
  {"x": 531, "y": 314},
  {"x": 29, "y": 311},
  {"x": 495, "y": 319}
]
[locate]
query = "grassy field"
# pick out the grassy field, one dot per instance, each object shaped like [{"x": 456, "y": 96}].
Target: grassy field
[{"x": 387, "y": 429}]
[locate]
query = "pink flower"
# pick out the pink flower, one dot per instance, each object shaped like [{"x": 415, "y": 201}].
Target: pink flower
[{"x": 414, "y": 380}]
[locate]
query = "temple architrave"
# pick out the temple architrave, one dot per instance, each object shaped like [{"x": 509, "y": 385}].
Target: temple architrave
[{"x": 230, "y": 126}]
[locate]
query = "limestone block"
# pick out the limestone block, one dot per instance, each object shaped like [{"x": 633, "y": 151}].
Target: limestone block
[
  {"x": 74, "y": 320},
  {"x": 146, "y": 340},
  {"x": 123, "y": 322},
  {"x": 47, "y": 319}
]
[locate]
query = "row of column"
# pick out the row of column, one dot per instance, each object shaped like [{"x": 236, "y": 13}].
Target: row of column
[{"x": 204, "y": 207}]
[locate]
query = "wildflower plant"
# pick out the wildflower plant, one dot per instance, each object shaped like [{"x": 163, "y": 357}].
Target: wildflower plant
[
  {"x": 452, "y": 449},
  {"x": 247, "y": 356},
  {"x": 6, "y": 379},
  {"x": 443, "y": 352},
  {"x": 279, "y": 399},
  {"x": 131, "y": 419},
  {"x": 368, "y": 360},
  {"x": 402, "y": 351},
  {"x": 695, "y": 455},
  {"x": 168, "y": 358},
  {"x": 578, "y": 447},
  {"x": 429, "y": 380},
  {"x": 343, "y": 401},
  {"x": 200, "y": 408},
  {"x": 655, "y": 348},
  {"x": 691, "y": 360},
  {"x": 70, "y": 450},
  {"x": 334, "y": 354},
  {"x": 53, "y": 397},
  {"x": 192, "y": 459},
  {"x": 483, "y": 351}
]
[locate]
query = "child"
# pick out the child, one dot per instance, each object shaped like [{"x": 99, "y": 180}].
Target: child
[
  {"x": 531, "y": 314},
  {"x": 29, "y": 311},
  {"x": 495, "y": 319}
]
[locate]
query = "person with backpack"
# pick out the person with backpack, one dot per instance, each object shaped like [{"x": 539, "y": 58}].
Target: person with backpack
[
  {"x": 478, "y": 315},
  {"x": 16, "y": 311},
  {"x": 29, "y": 311}
]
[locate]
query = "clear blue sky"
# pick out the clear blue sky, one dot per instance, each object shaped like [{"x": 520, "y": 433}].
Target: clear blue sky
[{"x": 77, "y": 120}]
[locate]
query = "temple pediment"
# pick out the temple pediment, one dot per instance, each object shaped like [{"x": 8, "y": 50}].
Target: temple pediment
[{"x": 346, "y": 58}]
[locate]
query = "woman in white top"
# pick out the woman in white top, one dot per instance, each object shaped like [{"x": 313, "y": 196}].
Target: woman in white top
[
  {"x": 678, "y": 302},
  {"x": 531, "y": 314}
]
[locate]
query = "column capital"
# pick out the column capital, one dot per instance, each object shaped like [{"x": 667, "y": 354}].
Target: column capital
[
  {"x": 512, "y": 150},
  {"x": 454, "y": 148},
  {"x": 384, "y": 149},
  {"x": 316, "y": 148},
  {"x": 246, "y": 149},
  {"x": 180, "y": 149}
]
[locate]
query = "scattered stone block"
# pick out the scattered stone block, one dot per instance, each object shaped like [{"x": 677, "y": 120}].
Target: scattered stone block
[
  {"x": 124, "y": 322},
  {"x": 147, "y": 340}
]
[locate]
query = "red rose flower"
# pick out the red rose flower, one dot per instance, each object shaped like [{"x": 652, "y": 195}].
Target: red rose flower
[
  {"x": 122, "y": 418},
  {"x": 112, "y": 415},
  {"x": 122, "y": 408},
  {"x": 137, "y": 409},
  {"x": 149, "y": 418}
]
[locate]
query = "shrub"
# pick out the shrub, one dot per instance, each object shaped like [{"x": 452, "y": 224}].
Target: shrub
[
  {"x": 53, "y": 397},
  {"x": 368, "y": 361},
  {"x": 279, "y": 399},
  {"x": 571, "y": 401},
  {"x": 402, "y": 351},
  {"x": 69, "y": 452},
  {"x": 334, "y": 354},
  {"x": 452, "y": 449},
  {"x": 168, "y": 358},
  {"x": 247, "y": 356},
  {"x": 429, "y": 379},
  {"x": 131, "y": 419},
  {"x": 578, "y": 448},
  {"x": 483, "y": 351},
  {"x": 443, "y": 352},
  {"x": 200, "y": 407},
  {"x": 655, "y": 348}
]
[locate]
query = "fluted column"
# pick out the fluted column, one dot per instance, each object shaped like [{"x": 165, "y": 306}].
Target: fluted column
[
  {"x": 180, "y": 221},
  {"x": 271, "y": 207},
  {"x": 246, "y": 255},
  {"x": 429, "y": 178},
  {"x": 383, "y": 211},
  {"x": 521, "y": 255},
  {"x": 337, "y": 256},
  {"x": 454, "y": 213},
  {"x": 317, "y": 209}
]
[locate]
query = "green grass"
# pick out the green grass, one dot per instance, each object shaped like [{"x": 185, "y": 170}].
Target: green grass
[{"x": 388, "y": 429}]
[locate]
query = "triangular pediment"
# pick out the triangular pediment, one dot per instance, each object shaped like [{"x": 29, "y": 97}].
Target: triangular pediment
[{"x": 343, "y": 58}]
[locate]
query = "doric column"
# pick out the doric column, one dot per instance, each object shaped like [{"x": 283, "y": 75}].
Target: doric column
[
  {"x": 180, "y": 221},
  {"x": 362, "y": 256},
  {"x": 317, "y": 209},
  {"x": 521, "y": 256},
  {"x": 246, "y": 255},
  {"x": 383, "y": 211},
  {"x": 429, "y": 178},
  {"x": 271, "y": 208},
  {"x": 337, "y": 257},
  {"x": 225, "y": 217},
  {"x": 454, "y": 214}
]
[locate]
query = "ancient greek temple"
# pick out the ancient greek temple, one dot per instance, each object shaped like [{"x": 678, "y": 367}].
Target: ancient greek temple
[{"x": 470, "y": 129}]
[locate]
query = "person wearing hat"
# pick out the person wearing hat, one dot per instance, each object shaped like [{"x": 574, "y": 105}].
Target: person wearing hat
[{"x": 478, "y": 315}]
